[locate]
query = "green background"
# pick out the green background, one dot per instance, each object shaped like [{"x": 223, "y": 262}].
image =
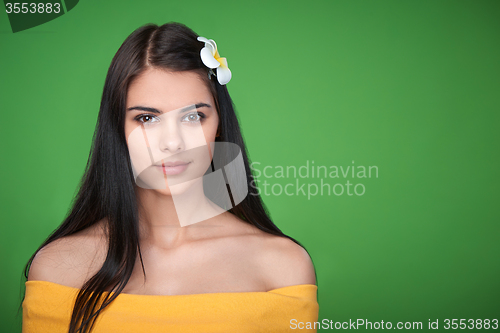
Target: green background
[{"x": 411, "y": 87}]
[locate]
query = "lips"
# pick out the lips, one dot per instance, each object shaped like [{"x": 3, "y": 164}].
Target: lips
[{"x": 173, "y": 168}]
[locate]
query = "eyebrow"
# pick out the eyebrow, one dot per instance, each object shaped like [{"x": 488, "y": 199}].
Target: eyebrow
[{"x": 182, "y": 110}]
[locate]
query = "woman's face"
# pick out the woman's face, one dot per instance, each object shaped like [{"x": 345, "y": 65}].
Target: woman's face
[{"x": 170, "y": 122}]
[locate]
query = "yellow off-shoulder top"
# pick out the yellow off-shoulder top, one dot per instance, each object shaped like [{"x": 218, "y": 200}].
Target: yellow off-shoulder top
[{"x": 47, "y": 308}]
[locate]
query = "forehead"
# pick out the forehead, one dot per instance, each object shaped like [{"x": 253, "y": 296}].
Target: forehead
[{"x": 167, "y": 90}]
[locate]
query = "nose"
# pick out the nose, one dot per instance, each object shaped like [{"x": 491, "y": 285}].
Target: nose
[{"x": 171, "y": 138}]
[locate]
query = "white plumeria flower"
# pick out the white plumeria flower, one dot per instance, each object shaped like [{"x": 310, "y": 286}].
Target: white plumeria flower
[{"x": 211, "y": 58}]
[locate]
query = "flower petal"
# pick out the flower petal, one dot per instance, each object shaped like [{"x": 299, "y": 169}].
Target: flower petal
[
  {"x": 211, "y": 48},
  {"x": 208, "y": 43},
  {"x": 214, "y": 45},
  {"x": 223, "y": 61},
  {"x": 223, "y": 75},
  {"x": 202, "y": 39},
  {"x": 208, "y": 58}
]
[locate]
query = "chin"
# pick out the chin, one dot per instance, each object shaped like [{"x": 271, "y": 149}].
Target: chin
[
  {"x": 166, "y": 187},
  {"x": 179, "y": 189}
]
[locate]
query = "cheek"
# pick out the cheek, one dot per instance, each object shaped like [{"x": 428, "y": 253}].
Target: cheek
[
  {"x": 128, "y": 128},
  {"x": 210, "y": 129},
  {"x": 210, "y": 132}
]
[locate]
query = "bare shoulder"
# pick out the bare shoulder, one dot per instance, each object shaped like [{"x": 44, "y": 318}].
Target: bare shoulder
[
  {"x": 278, "y": 260},
  {"x": 70, "y": 260},
  {"x": 285, "y": 263}
]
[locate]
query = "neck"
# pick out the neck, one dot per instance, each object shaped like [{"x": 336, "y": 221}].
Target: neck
[{"x": 168, "y": 220}]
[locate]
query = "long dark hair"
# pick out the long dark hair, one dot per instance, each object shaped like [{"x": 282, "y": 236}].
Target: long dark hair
[{"x": 107, "y": 189}]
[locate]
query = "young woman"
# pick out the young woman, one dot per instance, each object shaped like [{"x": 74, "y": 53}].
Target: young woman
[{"x": 166, "y": 234}]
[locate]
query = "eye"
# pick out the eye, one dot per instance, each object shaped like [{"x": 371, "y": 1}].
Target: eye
[
  {"x": 193, "y": 117},
  {"x": 146, "y": 118}
]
